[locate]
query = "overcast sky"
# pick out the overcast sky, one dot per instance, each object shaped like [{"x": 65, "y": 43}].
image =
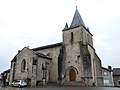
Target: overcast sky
[{"x": 36, "y": 23}]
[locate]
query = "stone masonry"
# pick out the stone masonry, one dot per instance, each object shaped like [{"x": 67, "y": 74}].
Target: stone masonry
[{"x": 71, "y": 62}]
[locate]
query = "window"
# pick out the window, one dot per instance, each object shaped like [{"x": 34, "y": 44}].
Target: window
[
  {"x": 106, "y": 81},
  {"x": 105, "y": 73},
  {"x": 34, "y": 61},
  {"x": 71, "y": 36},
  {"x": 78, "y": 58},
  {"x": 119, "y": 82},
  {"x": 23, "y": 66}
]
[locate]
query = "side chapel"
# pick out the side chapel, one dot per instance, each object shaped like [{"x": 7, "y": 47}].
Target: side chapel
[{"x": 70, "y": 62}]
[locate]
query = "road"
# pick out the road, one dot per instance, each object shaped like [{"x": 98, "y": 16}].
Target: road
[{"x": 62, "y": 88}]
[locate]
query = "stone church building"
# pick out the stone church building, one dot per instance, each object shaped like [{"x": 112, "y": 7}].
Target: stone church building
[{"x": 71, "y": 62}]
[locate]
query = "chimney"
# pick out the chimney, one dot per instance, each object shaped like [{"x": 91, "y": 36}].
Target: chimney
[{"x": 109, "y": 67}]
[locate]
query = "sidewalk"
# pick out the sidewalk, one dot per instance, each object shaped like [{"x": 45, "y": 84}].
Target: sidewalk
[{"x": 9, "y": 88}]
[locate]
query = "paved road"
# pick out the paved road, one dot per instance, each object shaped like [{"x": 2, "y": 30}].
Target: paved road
[{"x": 63, "y": 88}]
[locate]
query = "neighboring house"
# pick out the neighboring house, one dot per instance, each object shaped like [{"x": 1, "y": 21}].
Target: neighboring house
[
  {"x": 5, "y": 77},
  {"x": 0, "y": 79},
  {"x": 116, "y": 76},
  {"x": 73, "y": 61},
  {"x": 107, "y": 76}
]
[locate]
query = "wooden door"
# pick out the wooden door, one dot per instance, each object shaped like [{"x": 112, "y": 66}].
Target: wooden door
[{"x": 72, "y": 75}]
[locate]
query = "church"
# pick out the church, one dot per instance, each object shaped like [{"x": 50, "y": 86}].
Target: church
[{"x": 70, "y": 62}]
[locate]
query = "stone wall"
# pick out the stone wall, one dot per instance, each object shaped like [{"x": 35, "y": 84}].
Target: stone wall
[
  {"x": 72, "y": 39},
  {"x": 98, "y": 71},
  {"x": 27, "y": 55},
  {"x": 53, "y": 53},
  {"x": 77, "y": 53},
  {"x": 92, "y": 53},
  {"x": 43, "y": 70},
  {"x": 33, "y": 71},
  {"x": 16, "y": 65}
]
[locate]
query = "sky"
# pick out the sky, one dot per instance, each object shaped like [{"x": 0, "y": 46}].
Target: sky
[{"x": 36, "y": 23}]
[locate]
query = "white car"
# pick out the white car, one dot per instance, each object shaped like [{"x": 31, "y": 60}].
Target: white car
[{"x": 19, "y": 83}]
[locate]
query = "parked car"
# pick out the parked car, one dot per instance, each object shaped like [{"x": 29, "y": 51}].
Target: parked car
[{"x": 19, "y": 83}]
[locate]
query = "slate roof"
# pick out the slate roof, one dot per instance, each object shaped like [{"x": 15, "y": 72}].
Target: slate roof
[
  {"x": 77, "y": 19},
  {"x": 66, "y": 26},
  {"x": 14, "y": 59},
  {"x": 38, "y": 54},
  {"x": 107, "y": 69},
  {"x": 47, "y": 46},
  {"x": 116, "y": 71},
  {"x": 43, "y": 56},
  {"x": 7, "y": 71}
]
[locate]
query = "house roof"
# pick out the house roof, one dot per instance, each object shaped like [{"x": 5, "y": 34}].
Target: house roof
[
  {"x": 106, "y": 69},
  {"x": 0, "y": 76},
  {"x": 43, "y": 56},
  {"x": 7, "y": 71},
  {"x": 14, "y": 59},
  {"x": 47, "y": 46},
  {"x": 38, "y": 54},
  {"x": 77, "y": 19},
  {"x": 116, "y": 71}
]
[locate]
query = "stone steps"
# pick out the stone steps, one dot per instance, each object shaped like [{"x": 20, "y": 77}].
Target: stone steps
[{"x": 74, "y": 83}]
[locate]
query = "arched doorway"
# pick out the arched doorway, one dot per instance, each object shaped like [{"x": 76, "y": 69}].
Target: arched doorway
[{"x": 72, "y": 75}]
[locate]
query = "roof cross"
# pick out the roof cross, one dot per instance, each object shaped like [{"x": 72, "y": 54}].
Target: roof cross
[{"x": 76, "y": 3}]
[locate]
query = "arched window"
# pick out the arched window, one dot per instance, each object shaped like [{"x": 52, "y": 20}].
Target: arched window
[{"x": 23, "y": 65}]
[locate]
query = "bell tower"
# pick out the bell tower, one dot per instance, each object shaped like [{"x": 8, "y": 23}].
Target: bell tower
[
  {"x": 77, "y": 31},
  {"x": 77, "y": 58}
]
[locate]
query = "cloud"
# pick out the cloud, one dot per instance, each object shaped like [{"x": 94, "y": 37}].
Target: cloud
[{"x": 36, "y": 23}]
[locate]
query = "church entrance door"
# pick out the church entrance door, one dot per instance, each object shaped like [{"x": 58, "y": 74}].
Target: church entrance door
[{"x": 72, "y": 75}]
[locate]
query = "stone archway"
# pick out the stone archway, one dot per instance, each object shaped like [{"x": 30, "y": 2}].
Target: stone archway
[{"x": 72, "y": 75}]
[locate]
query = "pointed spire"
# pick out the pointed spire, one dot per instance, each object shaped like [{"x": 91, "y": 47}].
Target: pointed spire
[
  {"x": 77, "y": 19},
  {"x": 66, "y": 26}
]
